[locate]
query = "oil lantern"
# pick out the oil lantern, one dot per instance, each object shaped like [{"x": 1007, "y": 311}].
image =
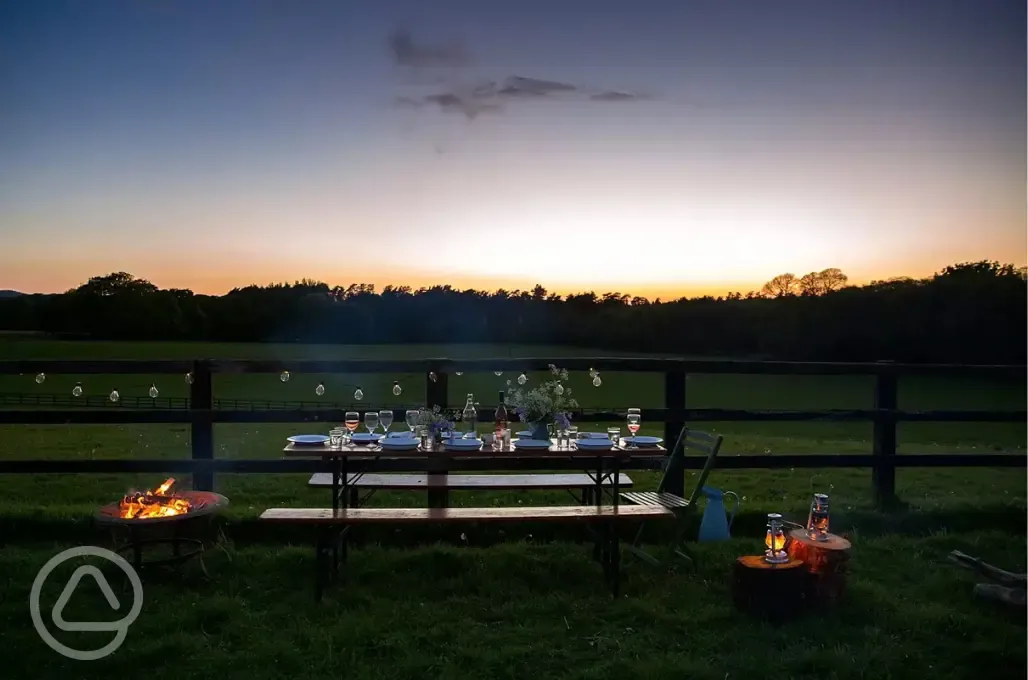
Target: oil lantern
[
  {"x": 817, "y": 521},
  {"x": 775, "y": 540}
]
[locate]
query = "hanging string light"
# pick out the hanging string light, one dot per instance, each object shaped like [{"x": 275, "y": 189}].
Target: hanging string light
[
  {"x": 153, "y": 391},
  {"x": 596, "y": 380},
  {"x": 358, "y": 394},
  {"x": 432, "y": 376},
  {"x": 284, "y": 376},
  {"x": 558, "y": 389},
  {"x": 40, "y": 378},
  {"x": 114, "y": 396},
  {"x": 460, "y": 372},
  {"x": 497, "y": 373},
  {"x": 522, "y": 379},
  {"x": 320, "y": 389},
  {"x": 397, "y": 390},
  {"x": 189, "y": 378},
  {"x": 77, "y": 390},
  {"x": 593, "y": 373}
]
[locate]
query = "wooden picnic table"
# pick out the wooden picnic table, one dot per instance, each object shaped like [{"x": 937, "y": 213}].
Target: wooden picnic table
[{"x": 603, "y": 466}]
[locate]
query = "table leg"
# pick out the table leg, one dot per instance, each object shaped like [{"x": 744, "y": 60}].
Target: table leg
[
  {"x": 320, "y": 563},
  {"x": 341, "y": 539},
  {"x": 599, "y": 549},
  {"x": 615, "y": 558}
]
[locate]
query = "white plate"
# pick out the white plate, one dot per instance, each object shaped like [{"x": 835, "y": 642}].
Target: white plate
[
  {"x": 463, "y": 444},
  {"x": 593, "y": 435},
  {"x": 400, "y": 443},
  {"x": 532, "y": 444},
  {"x": 643, "y": 441},
  {"x": 366, "y": 437},
  {"x": 592, "y": 443},
  {"x": 307, "y": 439}
]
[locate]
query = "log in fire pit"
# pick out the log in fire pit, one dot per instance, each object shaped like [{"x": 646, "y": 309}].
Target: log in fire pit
[{"x": 146, "y": 524}]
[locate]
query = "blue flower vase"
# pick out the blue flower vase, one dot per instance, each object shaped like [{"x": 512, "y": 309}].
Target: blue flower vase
[{"x": 539, "y": 431}]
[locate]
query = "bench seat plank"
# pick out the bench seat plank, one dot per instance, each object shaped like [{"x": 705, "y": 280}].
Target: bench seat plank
[
  {"x": 468, "y": 482},
  {"x": 426, "y": 515}
]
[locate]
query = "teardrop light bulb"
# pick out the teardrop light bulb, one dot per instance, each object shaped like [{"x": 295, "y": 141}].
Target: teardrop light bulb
[
  {"x": 320, "y": 389},
  {"x": 284, "y": 377},
  {"x": 559, "y": 389},
  {"x": 397, "y": 390},
  {"x": 358, "y": 394},
  {"x": 153, "y": 391},
  {"x": 596, "y": 380},
  {"x": 77, "y": 390},
  {"x": 114, "y": 396},
  {"x": 522, "y": 379},
  {"x": 189, "y": 378},
  {"x": 41, "y": 378}
]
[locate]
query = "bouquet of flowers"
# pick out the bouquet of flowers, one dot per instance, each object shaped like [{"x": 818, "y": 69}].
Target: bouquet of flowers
[
  {"x": 549, "y": 402},
  {"x": 434, "y": 420}
]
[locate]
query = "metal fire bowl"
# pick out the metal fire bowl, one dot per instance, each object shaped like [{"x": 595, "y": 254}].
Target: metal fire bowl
[{"x": 202, "y": 503}]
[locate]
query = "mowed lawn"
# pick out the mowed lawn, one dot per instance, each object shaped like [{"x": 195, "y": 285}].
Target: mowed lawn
[
  {"x": 761, "y": 490},
  {"x": 517, "y": 604}
]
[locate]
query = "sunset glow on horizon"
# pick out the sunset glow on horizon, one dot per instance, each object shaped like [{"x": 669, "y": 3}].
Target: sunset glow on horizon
[{"x": 654, "y": 148}]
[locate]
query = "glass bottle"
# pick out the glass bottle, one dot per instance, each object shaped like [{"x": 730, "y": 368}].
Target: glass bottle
[
  {"x": 469, "y": 418},
  {"x": 500, "y": 421}
]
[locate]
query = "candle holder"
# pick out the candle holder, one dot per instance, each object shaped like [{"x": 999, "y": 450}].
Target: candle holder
[
  {"x": 774, "y": 540},
  {"x": 817, "y": 520}
]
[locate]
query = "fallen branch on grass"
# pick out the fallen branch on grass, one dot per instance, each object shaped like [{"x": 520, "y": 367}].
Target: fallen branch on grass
[{"x": 1009, "y": 587}]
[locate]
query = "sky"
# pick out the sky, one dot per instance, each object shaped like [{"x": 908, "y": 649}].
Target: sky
[{"x": 650, "y": 147}]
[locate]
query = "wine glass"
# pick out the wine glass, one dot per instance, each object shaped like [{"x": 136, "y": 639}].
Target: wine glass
[
  {"x": 412, "y": 420},
  {"x": 351, "y": 420},
  {"x": 634, "y": 421},
  {"x": 386, "y": 418},
  {"x": 371, "y": 421}
]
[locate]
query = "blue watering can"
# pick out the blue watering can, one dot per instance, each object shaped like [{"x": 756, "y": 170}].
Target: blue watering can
[{"x": 716, "y": 523}]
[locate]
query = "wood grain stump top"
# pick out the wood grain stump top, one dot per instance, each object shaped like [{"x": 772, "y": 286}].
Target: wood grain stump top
[
  {"x": 775, "y": 592},
  {"x": 826, "y": 561}
]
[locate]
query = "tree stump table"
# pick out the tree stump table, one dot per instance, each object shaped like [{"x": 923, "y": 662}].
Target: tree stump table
[
  {"x": 772, "y": 591},
  {"x": 826, "y": 561}
]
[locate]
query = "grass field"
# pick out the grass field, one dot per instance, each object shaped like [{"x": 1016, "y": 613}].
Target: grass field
[
  {"x": 519, "y": 605},
  {"x": 761, "y": 489}
]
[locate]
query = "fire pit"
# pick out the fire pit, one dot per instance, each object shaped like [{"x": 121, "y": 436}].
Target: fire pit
[{"x": 145, "y": 524}]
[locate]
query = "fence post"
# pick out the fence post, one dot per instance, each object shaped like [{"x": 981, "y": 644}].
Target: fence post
[
  {"x": 202, "y": 436},
  {"x": 674, "y": 398},
  {"x": 883, "y": 474},
  {"x": 435, "y": 390}
]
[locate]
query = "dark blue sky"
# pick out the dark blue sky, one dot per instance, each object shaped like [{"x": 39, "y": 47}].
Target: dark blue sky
[{"x": 879, "y": 136}]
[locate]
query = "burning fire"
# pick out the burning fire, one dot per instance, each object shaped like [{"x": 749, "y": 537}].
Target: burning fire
[{"x": 156, "y": 503}]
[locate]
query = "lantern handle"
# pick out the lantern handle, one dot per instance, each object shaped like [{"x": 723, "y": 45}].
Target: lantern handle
[{"x": 735, "y": 506}]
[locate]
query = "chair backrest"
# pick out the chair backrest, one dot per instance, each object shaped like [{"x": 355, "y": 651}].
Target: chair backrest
[{"x": 694, "y": 440}]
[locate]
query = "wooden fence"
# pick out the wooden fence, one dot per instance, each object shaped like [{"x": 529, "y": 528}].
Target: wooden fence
[{"x": 203, "y": 413}]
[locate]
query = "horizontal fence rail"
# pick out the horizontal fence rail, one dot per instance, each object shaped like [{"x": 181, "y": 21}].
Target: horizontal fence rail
[{"x": 201, "y": 410}]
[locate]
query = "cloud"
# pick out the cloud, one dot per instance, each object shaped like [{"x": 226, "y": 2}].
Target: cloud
[
  {"x": 407, "y": 52},
  {"x": 407, "y": 103},
  {"x": 615, "y": 96},
  {"x": 488, "y": 96},
  {"x": 521, "y": 86},
  {"x": 469, "y": 106}
]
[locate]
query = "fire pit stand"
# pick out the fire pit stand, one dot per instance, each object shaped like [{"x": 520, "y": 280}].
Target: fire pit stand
[{"x": 140, "y": 540}]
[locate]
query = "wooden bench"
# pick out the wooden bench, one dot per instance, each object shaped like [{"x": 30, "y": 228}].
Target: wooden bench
[
  {"x": 439, "y": 484},
  {"x": 326, "y": 520}
]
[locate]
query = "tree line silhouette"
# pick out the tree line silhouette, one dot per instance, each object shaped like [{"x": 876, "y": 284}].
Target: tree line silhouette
[{"x": 971, "y": 312}]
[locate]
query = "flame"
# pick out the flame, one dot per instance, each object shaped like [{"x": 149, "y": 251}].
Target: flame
[
  {"x": 777, "y": 544},
  {"x": 156, "y": 503}
]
